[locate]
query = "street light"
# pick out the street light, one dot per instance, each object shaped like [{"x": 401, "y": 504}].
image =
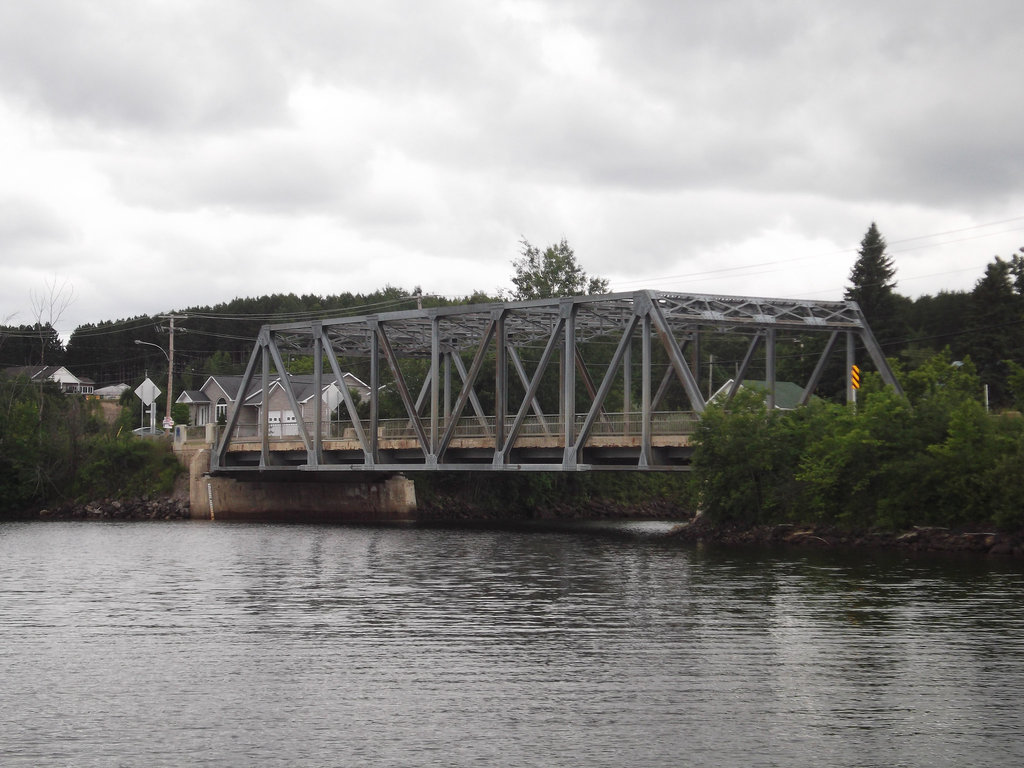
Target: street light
[
  {"x": 170, "y": 373},
  {"x": 151, "y": 344}
]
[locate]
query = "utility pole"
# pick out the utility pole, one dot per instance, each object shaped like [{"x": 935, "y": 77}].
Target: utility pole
[{"x": 170, "y": 365}]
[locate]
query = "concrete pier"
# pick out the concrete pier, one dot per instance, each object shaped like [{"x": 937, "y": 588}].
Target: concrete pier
[{"x": 359, "y": 499}]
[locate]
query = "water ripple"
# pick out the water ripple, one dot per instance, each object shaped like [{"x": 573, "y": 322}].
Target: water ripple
[{"x": 163, "y": 645}]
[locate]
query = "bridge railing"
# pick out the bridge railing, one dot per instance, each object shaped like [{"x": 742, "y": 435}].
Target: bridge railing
[
  {"x": 473, "y": 427},
  {"x": 663, "y": 423}
]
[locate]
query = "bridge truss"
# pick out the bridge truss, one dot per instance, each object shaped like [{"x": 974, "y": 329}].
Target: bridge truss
[{"x": 589, "y": 382}]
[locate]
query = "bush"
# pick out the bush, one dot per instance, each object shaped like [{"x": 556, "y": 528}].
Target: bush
[
  {"x": 934, "y": 458},
  {"x": 122, "y": 467}
]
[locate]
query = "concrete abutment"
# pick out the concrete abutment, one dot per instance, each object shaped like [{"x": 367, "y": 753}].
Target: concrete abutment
[{"x": 359, "y": 499}]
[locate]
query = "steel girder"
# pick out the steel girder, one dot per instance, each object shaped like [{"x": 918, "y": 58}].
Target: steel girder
[{"x": 581, "y": 432}]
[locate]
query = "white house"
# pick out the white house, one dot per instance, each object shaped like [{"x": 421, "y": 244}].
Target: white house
[
  {"x": 219, "y": 396},
  {"x": 65, "y": 379}
]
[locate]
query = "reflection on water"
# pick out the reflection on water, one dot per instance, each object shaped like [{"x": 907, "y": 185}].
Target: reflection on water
[{"x": 200, "y": 644}]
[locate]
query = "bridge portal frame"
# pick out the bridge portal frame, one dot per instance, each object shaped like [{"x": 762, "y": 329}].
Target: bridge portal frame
[{"x": 497, "y": 332}]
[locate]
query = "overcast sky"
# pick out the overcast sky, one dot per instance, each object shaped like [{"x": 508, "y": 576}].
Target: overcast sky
[{"x": 161, "y": 154}]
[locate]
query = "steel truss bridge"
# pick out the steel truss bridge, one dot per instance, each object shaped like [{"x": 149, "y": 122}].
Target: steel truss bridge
[{"x": 580, "y": 383}]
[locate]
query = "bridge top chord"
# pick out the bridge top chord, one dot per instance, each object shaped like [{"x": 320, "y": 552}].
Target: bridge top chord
[{"x": 527, "y": 322}]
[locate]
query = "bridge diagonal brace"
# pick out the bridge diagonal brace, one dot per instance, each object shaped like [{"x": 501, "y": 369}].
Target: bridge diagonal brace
[
  {"x": 606, "y": 385},
  {"x": 741, "y": 374},
  {"x": 531, "y": 391},
  {"x": 403, "y": 391},
  {"x": 467, "y": 388},
  {"x": 588, "y": 381},
  {"x": 525, "y": 379},
  {"x": 218, "y": 454},
  {"x": 478, "y": 409},
  {"x": 683, "y": 372},
  {"x": 350, "y": 406},
  {"x": 875, "y": 352},
  {"x": 425, "y": 390},
  {"x": 286, "y": 384},
  {"x": 666, "y": 379},
  {"x": 819, "y": 368}
]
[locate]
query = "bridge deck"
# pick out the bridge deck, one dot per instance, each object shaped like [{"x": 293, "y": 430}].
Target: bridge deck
[{"x": 616, "y": 444}]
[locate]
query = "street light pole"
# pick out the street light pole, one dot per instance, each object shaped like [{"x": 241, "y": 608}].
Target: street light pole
[
  {"x": 170, "y": 361},
  {"x": 170, "y": 373},
  {"x": 170, "y": 364}
]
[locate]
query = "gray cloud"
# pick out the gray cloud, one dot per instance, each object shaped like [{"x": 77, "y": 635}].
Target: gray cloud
[
  {"x": 417, "y": 142},
  {"x": 24, "y": 223},
  {"x": 139, "y": 65}
]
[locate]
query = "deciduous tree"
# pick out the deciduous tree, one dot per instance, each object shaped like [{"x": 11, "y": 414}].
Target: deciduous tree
[{"x": 552, "y": 273}]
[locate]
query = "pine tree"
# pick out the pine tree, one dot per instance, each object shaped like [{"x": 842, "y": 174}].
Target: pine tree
[
  {"x": 996, "y": 316},
  {"x": 873, "y": 285}
]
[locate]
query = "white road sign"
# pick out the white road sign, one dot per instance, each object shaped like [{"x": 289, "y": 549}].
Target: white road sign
[{"x": 147, "y": 391}]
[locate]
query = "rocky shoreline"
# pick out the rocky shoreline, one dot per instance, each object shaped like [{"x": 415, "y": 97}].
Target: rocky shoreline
[
  {"x": 146, "y": 508},
  {"x": 917, "y": 539}
]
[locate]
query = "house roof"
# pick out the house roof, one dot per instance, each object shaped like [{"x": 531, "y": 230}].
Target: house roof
[
  {"x": 33, "y": 371},
  {"x": 302, "y": 386},
  {"x": 42, "y": 372},
  {"x": 193, "y": 396},
  {"x": 229, "y": 384},
  {"x": 113, "y": 391},
  {"x": 787, "y": 393}
]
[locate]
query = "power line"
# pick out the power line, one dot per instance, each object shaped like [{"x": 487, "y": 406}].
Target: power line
[{"x": 711, "y": 273}]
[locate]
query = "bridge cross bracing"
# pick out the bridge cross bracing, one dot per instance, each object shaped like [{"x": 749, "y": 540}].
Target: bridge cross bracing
[{"x": 611, "y": 381}]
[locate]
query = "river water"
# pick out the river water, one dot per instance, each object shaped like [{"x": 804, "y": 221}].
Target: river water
[{"x": 150, "y": 644}]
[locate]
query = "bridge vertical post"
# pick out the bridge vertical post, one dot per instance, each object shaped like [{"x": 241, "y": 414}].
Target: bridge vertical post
[
  {"x": 568, "y": 311},
  {"x": 695, "y": 355},
  {"x": 769, "y": 367},
  {"x": 627, "y": 388},
  {"x": 447, "y": 386},
  {"x": 435, "y": 382},
  {"x": 374, "y": 389},
  {"x": 500, "y": 381},
  {"x": 645, "y": 392},
  {"x": 316, "y": 455},
  {"x": 264, "y": 426}
]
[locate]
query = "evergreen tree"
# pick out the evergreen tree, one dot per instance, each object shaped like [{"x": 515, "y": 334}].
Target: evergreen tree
[
  {"x": 873, "y": 285},
  {"x": 997, "y": 323}
]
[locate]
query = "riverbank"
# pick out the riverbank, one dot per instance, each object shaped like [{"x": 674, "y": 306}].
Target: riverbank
[
  {"x": 917, "y": 539},
  {"x": 145, "y": 508},
  {"x": 699, "y": 530}
]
